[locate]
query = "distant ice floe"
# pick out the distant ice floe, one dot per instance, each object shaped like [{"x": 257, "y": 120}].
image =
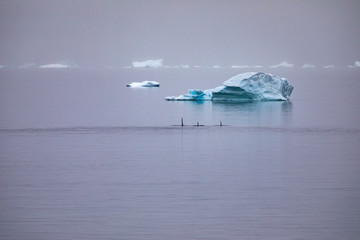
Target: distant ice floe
[
  {"x": 156, "y": 63},
  {"x": 54, "y": 65},
  {"x": 178, "y": 66},
  {"x": 184, "y": 66},
  {"x": 143, "y": 84},
  {"x": 282, "y": 64},
  {"x": 216, "y": 66},
  {"x": 27, "y": 65},
  {"x": 246, "y": 66},
  {"x": 308, "y": 66},
  {"x": 329, "y": 66},
  {"x": 62, "y": 64},
  {"x": 356, "y": 65},
  {"x": 250, "y": 86}
]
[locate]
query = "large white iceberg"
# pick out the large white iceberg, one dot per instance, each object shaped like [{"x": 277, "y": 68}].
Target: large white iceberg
[
  {"x": 251, "y": 86},
  {"x": 144, "y": 84}
]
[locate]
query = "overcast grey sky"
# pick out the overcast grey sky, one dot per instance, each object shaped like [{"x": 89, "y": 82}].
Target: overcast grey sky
[{"x": 195, "y": 32}]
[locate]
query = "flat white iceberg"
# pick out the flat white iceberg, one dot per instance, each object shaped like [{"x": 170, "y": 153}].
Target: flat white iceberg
[
  {"x": 216, "y": 66},
  {"x": 250, "y": 86},
  {"x": 356, "y": 64},
  {"x": 282, "y": 64},
  {"x": 143, "y": 84},
  {"x": 54, "y": 65},
  {"x": 241, "y": 66},
  {"x": 306, "y": 65},
  {"x": 148, "y": 64},
  {"x": 184, "y": 66},
  {"x": 62, "y": 64},
  {"x": 178, "y": 66},
  {"x": 246, "y": 66}
]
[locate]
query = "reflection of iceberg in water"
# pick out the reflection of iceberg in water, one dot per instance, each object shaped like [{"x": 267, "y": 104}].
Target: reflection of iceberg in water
[
  {"x": 269, "y": 114},
  {"x": 244, "y": 87},
  {"x": 254, "y": 114},
  {"x": 286, "y": 107}
]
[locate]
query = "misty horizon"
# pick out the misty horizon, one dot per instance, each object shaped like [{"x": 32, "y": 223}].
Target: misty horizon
[
  {"x": 159, "y": 63},
  {"x": 205, "y": 33}
]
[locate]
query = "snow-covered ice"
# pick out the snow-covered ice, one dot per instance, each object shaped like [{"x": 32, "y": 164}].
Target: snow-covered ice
[
  {"x": 250, "y": 86},
  {"x": 54, "y": 65},
  {"x": 282, "y": 64},
  {"x": 62, "y": 64},
  {"x": 356, "y": 65},
  {"x": 306, "y": 65},
  {"x": 178, "y": 66},
  {"x": 246, "y": 66},
  {"x": 144, "y": 84},
  {"x": 148, "y": 64}
]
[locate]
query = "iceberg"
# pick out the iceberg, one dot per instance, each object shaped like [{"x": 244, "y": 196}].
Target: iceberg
[
  {"x": 250, "y": 86},
  {"x": 306, "y": 65},
  {"x": 148, "y": 64},
  {"x": 241, "y": 66},
  {"x": 246, "y": 66},
  {"x": 356, "y": 64},
  {"x": 54, "y": 65},
  {"x": 178, "y": 66},
  {"x": 62, "y": 64},
  {"x": 282, "y": 64},
  {"x": 143, "y": 84}
]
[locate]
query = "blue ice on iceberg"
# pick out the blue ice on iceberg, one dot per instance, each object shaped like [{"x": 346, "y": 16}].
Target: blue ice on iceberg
[
  {"x": 250, "y": 86},
  {"x": 144, "y": 84}
]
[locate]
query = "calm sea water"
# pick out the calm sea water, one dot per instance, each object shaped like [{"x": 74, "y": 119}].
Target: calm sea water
[{"x": 84, "y": 157}]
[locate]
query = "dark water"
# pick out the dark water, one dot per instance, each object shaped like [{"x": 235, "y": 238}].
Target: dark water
[{"x": 84, "y": 157}]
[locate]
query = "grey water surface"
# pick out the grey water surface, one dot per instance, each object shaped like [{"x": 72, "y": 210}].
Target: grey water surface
[{"x": 84, "y": 157}]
